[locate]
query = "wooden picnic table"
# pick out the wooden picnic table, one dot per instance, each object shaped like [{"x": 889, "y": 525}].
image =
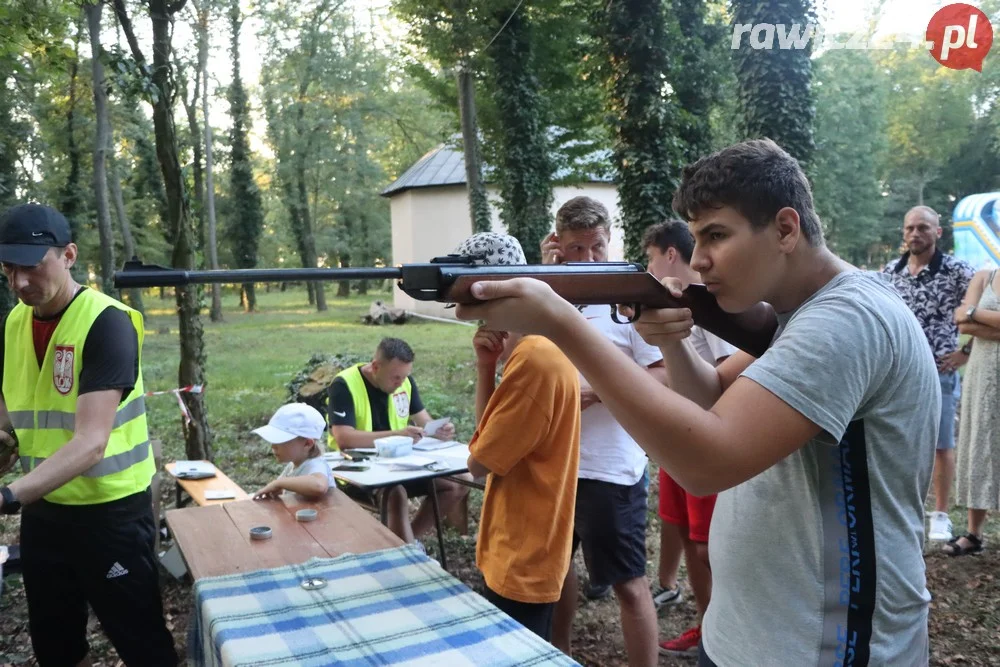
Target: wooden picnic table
[
  {"x": 196, "y": 488},
  {"x": 215, "y": 539}
]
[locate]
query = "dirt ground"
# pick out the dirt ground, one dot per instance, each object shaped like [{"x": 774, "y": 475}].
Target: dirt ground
[{"x": 964, "y": 618}]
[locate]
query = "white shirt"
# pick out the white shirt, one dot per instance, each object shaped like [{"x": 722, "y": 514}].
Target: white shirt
[
  {"x": 710, "y": 347},
  {"x": 607, "y": 452},
  {"x": 311, "y": 466}
]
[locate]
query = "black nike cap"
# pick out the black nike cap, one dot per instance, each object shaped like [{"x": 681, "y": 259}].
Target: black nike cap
[{"x": 27, "y": 231}]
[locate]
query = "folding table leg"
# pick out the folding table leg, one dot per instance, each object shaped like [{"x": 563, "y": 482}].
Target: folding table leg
[
  {"x": 437, "y": 523},
  {"x": 181, "y": 502},
  {"x": 383, "y": 506}
]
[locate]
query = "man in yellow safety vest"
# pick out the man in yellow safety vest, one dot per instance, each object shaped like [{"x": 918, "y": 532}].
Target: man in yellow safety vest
[
  {"x": 72, "y": 402},
  {"x": 378, "y": 399}
]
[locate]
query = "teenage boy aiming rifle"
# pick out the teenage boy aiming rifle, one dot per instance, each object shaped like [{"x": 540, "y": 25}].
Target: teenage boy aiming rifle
[{"x": 820, "y": 450}]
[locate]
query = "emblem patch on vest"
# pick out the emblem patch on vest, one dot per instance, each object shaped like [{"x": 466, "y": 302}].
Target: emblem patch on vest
[
  {"x": 402, "y": 402},
  {"x": 62, "y": 368}
]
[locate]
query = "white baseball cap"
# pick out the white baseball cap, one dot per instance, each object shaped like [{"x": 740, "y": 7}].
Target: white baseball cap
[{"x": 291, "y": 421}]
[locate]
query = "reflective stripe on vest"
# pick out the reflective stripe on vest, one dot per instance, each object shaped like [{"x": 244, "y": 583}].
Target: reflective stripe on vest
[
  {"x": 362, "y": 408},
  {"x": 67, "y": 420},
  {"x": 42, "y": 403},
  {"x": 107, "y": 466}
]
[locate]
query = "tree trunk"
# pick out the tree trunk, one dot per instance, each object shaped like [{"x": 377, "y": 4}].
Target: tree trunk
[
  {"x": 247, "y": 211},
  {"x": 524, "y": 169},
  {"x": 102, "y": 139},
  {"x": 479, "y": 207},
  {"x": 197, "y": 175},
  {"x": 298, "y": 231},
  {"x": 69, "y": 198},
  {"x": 344, "y": 286},
  {"x": 248, "y": 297},
  {"x": 774, "y": 88},
  {"x": 128, "y": 242},
  {"x": 308, "y": 240},
  {"x": 213, "y": 251},
  {"x": 644, "y": 122},
  {"x": 196, "y": 432}
]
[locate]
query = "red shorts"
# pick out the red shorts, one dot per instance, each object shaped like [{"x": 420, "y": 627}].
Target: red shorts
[{"x": 680, "y": 508}]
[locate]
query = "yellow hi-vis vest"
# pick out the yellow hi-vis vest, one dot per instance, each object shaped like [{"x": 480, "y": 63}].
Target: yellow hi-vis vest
[
  {"x": 42, "y": 403},
  {"x": 398, "y": 404}
]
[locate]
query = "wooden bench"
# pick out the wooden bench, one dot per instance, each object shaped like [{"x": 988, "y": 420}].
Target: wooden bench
[{"x": 196, "y": 488}]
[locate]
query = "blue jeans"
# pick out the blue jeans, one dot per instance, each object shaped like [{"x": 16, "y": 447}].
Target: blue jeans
[{"x": 951, "y": 390}]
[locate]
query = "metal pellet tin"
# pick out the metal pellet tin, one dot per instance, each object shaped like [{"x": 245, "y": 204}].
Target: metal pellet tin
[
  {"x": 313, "y": 583},
  {"x": 260, "y": 533}
]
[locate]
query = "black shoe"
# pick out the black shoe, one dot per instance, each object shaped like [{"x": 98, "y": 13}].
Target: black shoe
[{"x": 593, "y": 592}]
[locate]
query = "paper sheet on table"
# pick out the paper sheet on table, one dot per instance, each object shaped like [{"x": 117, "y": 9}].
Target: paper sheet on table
[
  {"x": 430, "y": 444},
  {"x": 411, "y": 462},
  {"x": 193, "y": 467},
  {"x": 219, "y": 494},
  {"x": 431, "y": 428}
]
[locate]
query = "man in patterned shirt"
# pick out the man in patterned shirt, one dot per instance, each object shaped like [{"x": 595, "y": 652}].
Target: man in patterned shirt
[{"x": 933, "y": 285}]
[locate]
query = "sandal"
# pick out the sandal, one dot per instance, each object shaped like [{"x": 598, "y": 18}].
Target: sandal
[{"x": 953, "y": 548}]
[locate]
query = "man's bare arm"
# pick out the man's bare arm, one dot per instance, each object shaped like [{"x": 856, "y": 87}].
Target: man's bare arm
[
  {"x": 7, "y": 441},
  {"x": 748, "y": 430},
  {"x": 420, "y": 418},
  {"x": 477, "y": 469},
  {"x": 4, "y": 415},
  {"x": 658, "y": 371},
  {"x": 348, "y": 437},
  {"x": 95, "y": 415},
  {"x": 486, "y": 384},
  {"x": 686, "y": 372}
]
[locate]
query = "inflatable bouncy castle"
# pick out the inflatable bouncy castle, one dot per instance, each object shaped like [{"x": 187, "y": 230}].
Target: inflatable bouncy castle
[{"x": 976, "y": 221}]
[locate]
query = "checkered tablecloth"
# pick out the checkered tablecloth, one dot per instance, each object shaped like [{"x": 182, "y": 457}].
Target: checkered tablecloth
[{"x": 389, "y": 607}]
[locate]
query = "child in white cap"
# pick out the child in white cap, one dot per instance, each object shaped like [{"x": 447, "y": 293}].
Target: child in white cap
[{"x": 296, "y": 434}]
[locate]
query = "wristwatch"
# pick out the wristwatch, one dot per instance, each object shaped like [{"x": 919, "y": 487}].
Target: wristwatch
[
  {"x": 11, "y": 505},
  {"x": 971, "y": 314}
]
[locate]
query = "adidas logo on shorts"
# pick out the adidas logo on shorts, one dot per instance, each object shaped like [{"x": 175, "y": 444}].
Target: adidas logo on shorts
[{"x": 116, "y": 571}]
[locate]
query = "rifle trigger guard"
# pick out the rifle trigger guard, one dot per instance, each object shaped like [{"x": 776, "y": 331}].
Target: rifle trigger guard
[{"x": 636, "y": 308}]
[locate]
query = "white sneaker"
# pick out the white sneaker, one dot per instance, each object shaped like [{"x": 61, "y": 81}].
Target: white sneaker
[
  {"x": 940, "y": 530},
  {"x": 663, "y": 597}
]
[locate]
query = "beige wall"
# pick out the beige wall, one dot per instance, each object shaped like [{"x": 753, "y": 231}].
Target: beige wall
[{"x": 430, "y": 222}]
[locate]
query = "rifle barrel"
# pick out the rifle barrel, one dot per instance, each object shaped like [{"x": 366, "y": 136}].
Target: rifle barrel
[{"x": 161, "y": 276}]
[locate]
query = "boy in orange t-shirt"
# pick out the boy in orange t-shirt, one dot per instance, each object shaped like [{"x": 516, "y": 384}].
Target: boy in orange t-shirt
[{"x": 528, "y": 445}]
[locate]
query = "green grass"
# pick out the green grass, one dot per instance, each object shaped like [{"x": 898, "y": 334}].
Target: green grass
[{"x": 249, "y": 359}]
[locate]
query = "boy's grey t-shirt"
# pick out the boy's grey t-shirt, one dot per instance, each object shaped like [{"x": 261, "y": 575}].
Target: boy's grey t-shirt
[
  {"x": 311, "y": 466},
  {"x": 818, "y": 560}
]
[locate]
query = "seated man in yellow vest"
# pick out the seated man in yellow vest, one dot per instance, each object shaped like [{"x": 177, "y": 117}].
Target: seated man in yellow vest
[
  {"x": 361, "y": 411},
  {"x": 73, "y": 399}
]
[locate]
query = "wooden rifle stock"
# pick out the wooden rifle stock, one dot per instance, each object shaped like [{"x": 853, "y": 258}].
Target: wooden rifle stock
[
  {"x": 448, "y": 279},
  {"x": 750, "y": 331}
]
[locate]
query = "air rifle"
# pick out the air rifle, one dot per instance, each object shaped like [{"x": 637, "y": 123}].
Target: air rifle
[{"x": 448, "y": 279}]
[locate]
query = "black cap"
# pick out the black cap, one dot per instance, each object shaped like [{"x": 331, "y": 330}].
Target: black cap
[{"x": 28, "y": 231}]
